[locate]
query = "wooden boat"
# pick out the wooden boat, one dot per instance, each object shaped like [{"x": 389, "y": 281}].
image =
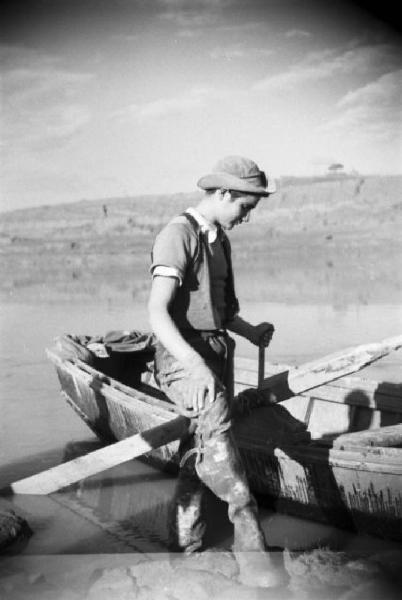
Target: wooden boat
[{"x": 332, "y": 454}]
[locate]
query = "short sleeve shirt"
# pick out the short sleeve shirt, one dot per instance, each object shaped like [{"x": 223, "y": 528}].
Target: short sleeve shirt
[
  {"x": 174, "y": 248},
  {"x": 176, "y": 243}
]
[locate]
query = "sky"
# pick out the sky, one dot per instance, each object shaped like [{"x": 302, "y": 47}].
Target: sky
[{"x": 111, "y": 98}]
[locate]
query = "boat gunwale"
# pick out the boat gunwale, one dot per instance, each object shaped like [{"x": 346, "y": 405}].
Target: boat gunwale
[
  {"x": 316, "y": 450},
  {"x": 349, "y": 382},
  {"x": 345, "y": 381},
  {"x": 358, "y": 458},
  {"x": 386, "y": 396},
  {"x": 369, "y": 457},
  {"x": 113, "y": 389}
]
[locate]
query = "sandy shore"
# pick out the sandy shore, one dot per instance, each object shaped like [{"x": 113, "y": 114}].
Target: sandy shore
[{"x": 318, "y": 575}]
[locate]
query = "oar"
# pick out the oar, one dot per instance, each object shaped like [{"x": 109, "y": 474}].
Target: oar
[
  {"x": 284, "y": 385},
  {"x": 70, "y": 472}
]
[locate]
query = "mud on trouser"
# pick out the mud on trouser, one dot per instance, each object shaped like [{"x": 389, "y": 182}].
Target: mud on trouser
[
  {"x": 186, "y": 525},
  {"x": 209, "y": 457},
  {"x": 221, "y": 469}
]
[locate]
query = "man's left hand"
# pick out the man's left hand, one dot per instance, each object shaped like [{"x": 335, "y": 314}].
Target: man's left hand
[{"x": 261, "y": 334}]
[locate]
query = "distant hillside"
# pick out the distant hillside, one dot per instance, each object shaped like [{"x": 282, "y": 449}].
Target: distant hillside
[{"x": 332, "y": 240}]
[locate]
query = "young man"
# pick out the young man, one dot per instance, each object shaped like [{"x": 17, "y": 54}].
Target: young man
[{"x": 191, "y": 307}]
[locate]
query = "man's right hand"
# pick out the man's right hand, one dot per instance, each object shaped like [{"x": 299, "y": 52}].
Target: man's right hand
[{"x": 203, "y": 385}]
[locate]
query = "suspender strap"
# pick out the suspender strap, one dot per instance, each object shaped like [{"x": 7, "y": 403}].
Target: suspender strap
[{"x": 232, "y": 304}]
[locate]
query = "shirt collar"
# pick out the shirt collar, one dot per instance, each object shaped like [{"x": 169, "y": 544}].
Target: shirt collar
[{"x": 205, "y": 226}]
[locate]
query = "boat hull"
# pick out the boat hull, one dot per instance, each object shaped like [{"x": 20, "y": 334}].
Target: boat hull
[{"x": 357, "y": 488}]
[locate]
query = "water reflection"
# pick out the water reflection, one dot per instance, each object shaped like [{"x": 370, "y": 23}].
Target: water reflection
[
  {"x": 133, "y": 499},
  {"x": 132, "y": 502}
]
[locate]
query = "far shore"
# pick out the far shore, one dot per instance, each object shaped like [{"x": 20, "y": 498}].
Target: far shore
[{"x": 318, "y": 241}]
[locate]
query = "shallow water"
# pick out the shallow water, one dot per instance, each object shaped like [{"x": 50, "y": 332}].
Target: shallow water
[{"x": 125, "y": 509}]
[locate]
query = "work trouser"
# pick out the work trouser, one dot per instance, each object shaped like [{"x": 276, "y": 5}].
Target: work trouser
[{"x": 209, "y": 455}]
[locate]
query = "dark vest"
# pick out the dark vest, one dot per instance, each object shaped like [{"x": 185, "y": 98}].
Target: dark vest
[{"x": 192, "y": 305}]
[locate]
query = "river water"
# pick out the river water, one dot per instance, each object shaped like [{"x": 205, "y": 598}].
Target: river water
[{"x": 125, "y": 509}]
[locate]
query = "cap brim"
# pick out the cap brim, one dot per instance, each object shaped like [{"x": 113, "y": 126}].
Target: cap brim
[{"x": 215, "y": 181}]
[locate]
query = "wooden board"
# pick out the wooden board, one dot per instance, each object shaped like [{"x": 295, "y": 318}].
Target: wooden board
[
  {"x": 329, "y": 368},
  {"x": 68, "y": 473},
  {"x": 382, "y": 437}
]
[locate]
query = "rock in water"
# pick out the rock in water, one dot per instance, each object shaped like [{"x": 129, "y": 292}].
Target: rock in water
[{"x": 13, "y": 528}]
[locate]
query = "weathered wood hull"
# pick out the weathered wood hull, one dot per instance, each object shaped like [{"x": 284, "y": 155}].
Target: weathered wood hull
[{"x": 351, "y": 485}]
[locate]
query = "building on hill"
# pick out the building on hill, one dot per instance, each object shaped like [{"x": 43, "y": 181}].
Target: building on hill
[{"x": 336, "y": 169}]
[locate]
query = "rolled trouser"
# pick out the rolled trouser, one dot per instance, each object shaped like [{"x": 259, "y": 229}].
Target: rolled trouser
[{"x": 186, "y": 524}]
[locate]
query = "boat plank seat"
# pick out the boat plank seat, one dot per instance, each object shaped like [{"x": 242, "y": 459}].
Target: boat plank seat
[
  {"x": 356, "y": 404},
  {"x": 383, "y": 437}
]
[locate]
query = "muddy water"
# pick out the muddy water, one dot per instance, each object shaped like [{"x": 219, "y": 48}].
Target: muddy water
[{"x": 125, "y": 509}]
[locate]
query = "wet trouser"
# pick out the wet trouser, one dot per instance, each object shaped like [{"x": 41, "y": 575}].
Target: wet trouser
[{"x": 209, "y": 455}]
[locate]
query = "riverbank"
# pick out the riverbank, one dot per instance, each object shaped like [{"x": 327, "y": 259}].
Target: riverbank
[
  {"x": 328, "y": 252},
  {"x": 333, "y": 242}
]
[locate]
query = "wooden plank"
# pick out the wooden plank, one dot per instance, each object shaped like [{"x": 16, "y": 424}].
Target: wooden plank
[
  {"x": 70, "y": 472},
  {"x": 369, "y": 385},
  {"x": 383, "y": 436},
  {"x": 358, "y": 396},
  {"x": 386, "y": 454},
  {"x": 354, "y": 391},
  {"x": 330, "y": 367},
  {"x": 246, "y": 372}
]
